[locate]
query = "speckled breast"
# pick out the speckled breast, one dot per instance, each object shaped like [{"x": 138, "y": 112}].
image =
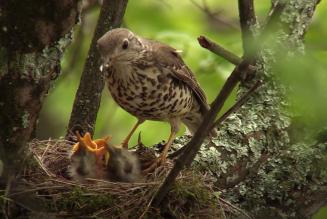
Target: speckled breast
[{"x": 147, "y": 93}]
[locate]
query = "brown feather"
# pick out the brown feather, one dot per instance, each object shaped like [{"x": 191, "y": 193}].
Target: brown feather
[{"x": 167, "y": 57}]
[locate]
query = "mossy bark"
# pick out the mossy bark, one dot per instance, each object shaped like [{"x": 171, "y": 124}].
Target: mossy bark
[
  {"x": 254, "y": 161},
  {"x": 33, "y": 36},
  {"x": 88, "y": 95}
]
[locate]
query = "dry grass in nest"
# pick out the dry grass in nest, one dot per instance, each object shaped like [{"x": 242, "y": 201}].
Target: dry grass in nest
[{"x": 191, "y": 197}]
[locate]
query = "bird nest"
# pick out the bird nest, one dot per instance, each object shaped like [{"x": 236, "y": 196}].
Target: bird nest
[{"x": 46, "y": 178}]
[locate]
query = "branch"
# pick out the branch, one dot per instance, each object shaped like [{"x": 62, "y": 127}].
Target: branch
[
  {"x": 274, "y": 13},
  {"x": 311, "y": 205},
  {"x": 243, "y": 145},
  {"x": 79, "y": 37},
  {"x": 231, "y": 110},
  {"x": 242, "y": 171},
  {"x": 219, "y": 50},
  {"x": 236, "y": 106},
  {"x": 271, "y": 19},
  {"x": 216, "y": 17},
  {"x": 292, "y": 170},
  {"x": 88, "y": 96},
  {"x": 247, "y": 19},
  {"x": 194, "y": 145}
]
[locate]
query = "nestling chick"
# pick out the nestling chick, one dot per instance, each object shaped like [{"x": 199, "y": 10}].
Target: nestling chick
[
  {"x": 88, "y": 160},
  {"x": 123, "y": 165},
  {"x": 83, "y": 164}
]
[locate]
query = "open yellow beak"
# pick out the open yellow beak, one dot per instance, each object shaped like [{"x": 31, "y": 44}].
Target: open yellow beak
[{"x": 98, "y": 146}]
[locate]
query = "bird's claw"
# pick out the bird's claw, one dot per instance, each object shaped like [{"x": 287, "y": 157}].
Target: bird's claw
[
  {"x": 150, "y": 166},
  {"x": 123, "y": 145}
]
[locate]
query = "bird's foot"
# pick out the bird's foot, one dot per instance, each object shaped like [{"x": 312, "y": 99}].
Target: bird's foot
[
  {"x": 150, "y": 166},
  {"x": 123, "y": 145}
]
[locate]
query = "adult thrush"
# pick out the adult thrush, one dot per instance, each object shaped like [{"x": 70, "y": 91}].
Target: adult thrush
[{"x": 150, "y": 80}]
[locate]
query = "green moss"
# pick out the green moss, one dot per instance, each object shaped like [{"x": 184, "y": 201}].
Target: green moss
[
  {"x": 192, "y": 190},
  {"x": 36, "y": 65},
  {"x": 189, "y": 197},
  {"x": 261, "y": 125},
  {"x": 83, "y": 202}
]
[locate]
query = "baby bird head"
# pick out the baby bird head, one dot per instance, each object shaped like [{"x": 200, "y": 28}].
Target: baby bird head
[
  {"x": 100, "y": 160},
  {"x": 87, "y": 158},
  {"x": 123, "y": 165},
  {"x": 83, "y": 164}
]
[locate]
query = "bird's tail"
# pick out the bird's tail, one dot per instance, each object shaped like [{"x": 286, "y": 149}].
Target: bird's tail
[{"x": 193, "y": 121}]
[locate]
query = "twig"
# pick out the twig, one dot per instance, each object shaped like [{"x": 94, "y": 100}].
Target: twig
[
  {"x": 270, "y": 22},
  {"x": 219, "y": 50},
  {"x": 222, "y": 210},
  {"x": 147, "y": 207},
  {"x": 274, "y": 14},
  {"x": 45, "y": 151},
  {"x": 242, "y": 172},
  {"x": 79, "y": 37},
  {"x": 216, "y": 16},
  {"x": 40, "y": 162},
  {"x": 194, "y": 145},
  {"x": 35, "y": 189},
  {"x": 235, "y": 208},
  {"x": 237, "y": 105},
  {"x": 247, "y": 19},
  {"x": 231, "y": 110}
]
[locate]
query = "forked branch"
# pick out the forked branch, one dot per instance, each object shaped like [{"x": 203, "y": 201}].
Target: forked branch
[{"x": 194, "y": 145}]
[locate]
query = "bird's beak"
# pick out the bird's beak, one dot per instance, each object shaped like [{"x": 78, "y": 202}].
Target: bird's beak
[{"x": 104, "y": 67}]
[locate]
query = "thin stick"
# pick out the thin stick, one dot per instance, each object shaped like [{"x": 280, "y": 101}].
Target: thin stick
[
  {"x": 237, "y": 105},
  {"x": 235, "y": 208},
  {"x": 40, "y": 162},
  {"x": 219, "y": 121},
  {"x": 247, "y": 20},
  {"x": 46, "y": 149},
  {"x": 273, "y": 14},
  {"x": 219, "y": 50},
  {"x": 216, "y": 16},
  {"x": 194, "y": 145}
]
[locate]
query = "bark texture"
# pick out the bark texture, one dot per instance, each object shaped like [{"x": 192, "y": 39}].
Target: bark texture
[
  {"x": 255, "y": 163},
  {"x": 88, "y": 95},
  {"x": 33, "y": 36}
]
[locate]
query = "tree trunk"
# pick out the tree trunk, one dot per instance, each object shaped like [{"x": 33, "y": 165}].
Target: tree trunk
[
  {"x": 88, "y": 95},
  {"x": 33, "y": 37}
]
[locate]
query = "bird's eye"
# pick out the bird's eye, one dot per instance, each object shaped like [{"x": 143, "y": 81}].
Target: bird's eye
[{"x": 125, "y": 44}]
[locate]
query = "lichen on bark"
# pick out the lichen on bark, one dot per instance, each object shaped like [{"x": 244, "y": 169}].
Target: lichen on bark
[
  {"x": 253, "y": 161},
  {"x": 31, "y": 46}
]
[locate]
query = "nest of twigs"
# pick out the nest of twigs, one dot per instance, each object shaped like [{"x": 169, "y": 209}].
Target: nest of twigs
[{"x": 191, "y": 197}]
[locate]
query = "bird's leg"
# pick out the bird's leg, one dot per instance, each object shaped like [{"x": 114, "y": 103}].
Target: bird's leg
[
  {"x": 128, "y": 137},
  {"x": 163, "y": 156}
]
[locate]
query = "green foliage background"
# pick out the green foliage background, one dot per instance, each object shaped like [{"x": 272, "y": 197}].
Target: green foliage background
[{"x": 179, "y": 23}]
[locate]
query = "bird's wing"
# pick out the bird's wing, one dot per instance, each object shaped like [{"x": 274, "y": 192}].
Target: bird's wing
[{"x": 167, "y": 57}]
